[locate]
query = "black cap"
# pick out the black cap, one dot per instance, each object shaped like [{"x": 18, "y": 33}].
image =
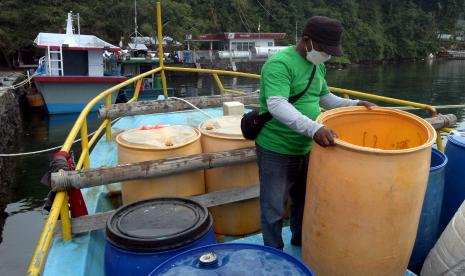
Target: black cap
[{"x": 326, "y": 32}]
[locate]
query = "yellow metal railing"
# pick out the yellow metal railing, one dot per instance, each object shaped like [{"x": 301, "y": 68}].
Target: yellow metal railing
[{"x": 60, "y": 203}]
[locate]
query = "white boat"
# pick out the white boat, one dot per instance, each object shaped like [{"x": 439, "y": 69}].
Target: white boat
[{"x": 72, "y": 71}]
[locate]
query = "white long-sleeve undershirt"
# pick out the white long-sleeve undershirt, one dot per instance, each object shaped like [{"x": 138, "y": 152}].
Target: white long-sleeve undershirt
[{"x": 287, "y": 114}]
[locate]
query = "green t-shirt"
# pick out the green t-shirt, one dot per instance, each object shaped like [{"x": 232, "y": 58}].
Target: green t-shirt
[{"x": 286, "y": 74}]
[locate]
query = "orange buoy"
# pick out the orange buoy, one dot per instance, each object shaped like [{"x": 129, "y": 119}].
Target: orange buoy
[{"x": 364, "y": 195}]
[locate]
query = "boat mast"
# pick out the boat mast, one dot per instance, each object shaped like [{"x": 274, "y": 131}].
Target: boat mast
[
  {"x": 69, "y": 24},
  {"x": 79, "y": 29}
]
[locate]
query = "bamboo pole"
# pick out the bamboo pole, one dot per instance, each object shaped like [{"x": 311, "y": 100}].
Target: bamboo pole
[
  {"x": 442, "y": 121},
  {"x": 64, "y": 180},
  {"x": 170, "y": 105}
]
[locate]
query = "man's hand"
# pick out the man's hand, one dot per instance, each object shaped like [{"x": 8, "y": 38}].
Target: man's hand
[
  {"x": 324, "y": 137},
  {"x": 366, "y": 104}
]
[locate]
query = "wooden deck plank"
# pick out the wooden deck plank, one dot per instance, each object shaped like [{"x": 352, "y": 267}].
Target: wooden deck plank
[{"x": 98, "y": 221}]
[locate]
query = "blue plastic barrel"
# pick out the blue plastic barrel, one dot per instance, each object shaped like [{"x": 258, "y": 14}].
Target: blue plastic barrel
[
  {"x": 143, "y": 234},
  {"x": 428, "y": 228},
  {"x": 232, "y": 259},
  {"x": 454, "y": 189}
]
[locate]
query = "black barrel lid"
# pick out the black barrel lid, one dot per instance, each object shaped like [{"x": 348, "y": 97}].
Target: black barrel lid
[{"x": 158, "y": 224}]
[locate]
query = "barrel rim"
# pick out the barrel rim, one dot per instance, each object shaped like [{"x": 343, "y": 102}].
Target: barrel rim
[
  {"x": 451, "y": 138},
  {"x": 121, "y": 142},
  {"x": 136, "y": 244},
  {"x": 239, "y": 245},
  {"x": 224, "y": 137},
  {"x": 338, "y": 111},
  {"x": 443, "y": 158}
]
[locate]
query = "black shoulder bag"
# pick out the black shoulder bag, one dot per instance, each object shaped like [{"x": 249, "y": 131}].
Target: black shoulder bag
[{"x": 253, "y": 122}]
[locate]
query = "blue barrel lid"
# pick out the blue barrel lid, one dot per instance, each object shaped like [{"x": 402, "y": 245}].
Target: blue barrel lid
[
  {"x": 457, "y": 138},
  {"x": 232, "y": 259},
  {"x": 157, "y": 224}
]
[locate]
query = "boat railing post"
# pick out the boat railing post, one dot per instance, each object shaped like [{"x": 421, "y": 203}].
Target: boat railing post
[
  {"x": 137, "y": 90},
  {"x": 439, "y": 141},
  {"x": 218, "y": 82},
  {"x": 85, "y": 144},
  {"x": 107, "y": 121},
  {"x": 40, "y": 253},
  {"x": 163, "y": 83},
  {"x": 65, "y": 220}
]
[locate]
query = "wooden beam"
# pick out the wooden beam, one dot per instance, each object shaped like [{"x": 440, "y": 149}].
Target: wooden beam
[
  {"x": 170, "y": 105},
  {"x": 442, "y": 121},
  {"x": 98, "y": 221},
  {"x": 65, "y": 180}
]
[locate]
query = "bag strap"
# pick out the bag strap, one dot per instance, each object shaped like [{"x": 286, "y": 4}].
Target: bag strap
[
  {"x": 265, "y": 117},
  {"x": 295, "y": 98}
]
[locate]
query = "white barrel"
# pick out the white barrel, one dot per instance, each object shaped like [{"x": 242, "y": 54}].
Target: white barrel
[
  {"x": 448, "y": 254},
  {"x": 233, "y": 54},
  {"x": 267, "y": 51}
]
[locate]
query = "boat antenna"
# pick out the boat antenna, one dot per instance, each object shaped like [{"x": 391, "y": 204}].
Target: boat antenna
[
  {"x": 136, "y": 27},
  {"x": 135, "y": 23}
]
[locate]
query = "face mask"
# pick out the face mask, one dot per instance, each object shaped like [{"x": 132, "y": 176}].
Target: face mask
[{"x": 316, "y": 57}]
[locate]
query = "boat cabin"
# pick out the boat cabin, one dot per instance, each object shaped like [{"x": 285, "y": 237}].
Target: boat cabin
[{"x": 72, "y": 54}]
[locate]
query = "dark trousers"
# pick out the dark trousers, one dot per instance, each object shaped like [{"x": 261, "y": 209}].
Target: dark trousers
[{"x": 281, "y": 175}]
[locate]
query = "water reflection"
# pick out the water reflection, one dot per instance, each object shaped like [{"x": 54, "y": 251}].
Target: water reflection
[{"x": 6, "y": 171}]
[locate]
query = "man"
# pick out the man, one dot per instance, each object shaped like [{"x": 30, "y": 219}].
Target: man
[{"x": 284, "y": 143}]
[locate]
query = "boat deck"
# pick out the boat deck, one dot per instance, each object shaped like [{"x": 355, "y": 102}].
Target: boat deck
[{"x": 84, "y": 254}]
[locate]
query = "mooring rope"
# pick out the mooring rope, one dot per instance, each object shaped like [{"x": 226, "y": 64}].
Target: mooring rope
[
  {"x": 193, "y": 106},
  {"x": 19, "y": 84},
  {"x": 45, "y": 150}
]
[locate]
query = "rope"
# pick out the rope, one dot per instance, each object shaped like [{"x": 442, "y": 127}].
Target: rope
[
  {"x": 30, "y": 152},
  {"x": 19, "y": 84},
  {"x": 195, "y": 107},
  {"x": 45, "y": 150}
]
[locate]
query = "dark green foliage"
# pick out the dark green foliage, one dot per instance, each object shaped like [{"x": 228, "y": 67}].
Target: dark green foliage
[{"x": 375, "y": 29}]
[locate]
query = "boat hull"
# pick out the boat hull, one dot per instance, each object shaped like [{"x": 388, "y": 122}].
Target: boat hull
[
  {"x": 84, "y": 255},
  {"x": 71, "y": 94}
]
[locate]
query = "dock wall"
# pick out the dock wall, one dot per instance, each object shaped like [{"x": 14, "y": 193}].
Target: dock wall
[{"x": 10, "y": 128}]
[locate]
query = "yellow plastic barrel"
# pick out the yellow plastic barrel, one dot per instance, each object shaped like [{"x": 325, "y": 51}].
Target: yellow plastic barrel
[
  {"x": 364, "y": 195},
  {"x": 221, "y": 134},
  {"x": 139, "y": 145}
]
